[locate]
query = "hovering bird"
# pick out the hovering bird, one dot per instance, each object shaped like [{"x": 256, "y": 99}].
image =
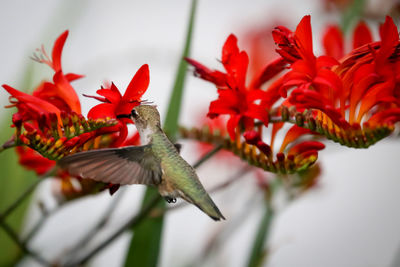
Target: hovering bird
[{"x": 157, "y": 162}]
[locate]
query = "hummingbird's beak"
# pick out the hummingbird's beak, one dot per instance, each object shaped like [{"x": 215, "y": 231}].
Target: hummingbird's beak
[{"x": 120, "y": 116}]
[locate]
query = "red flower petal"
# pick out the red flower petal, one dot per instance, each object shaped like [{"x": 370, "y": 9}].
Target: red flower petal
[
  {"x": 364, "y": 78},
  {"x": 102, "y": 111},
  {"x": 111, "y": 95},
  {"x": 275, "y": 128},
  {"x": 272, "y": 69},
  {"x": 57, "y": 50},
  {"x": 229, "y": 49},
  {"x": 380, "y": 92},
  {"x": 218, "y": 107},
  {"x": 292, "y": 134},
  {"x": 64, "y": 90},
  {"x": 304, "y": 38},
  {"x": 362, "y": 35},
  {"x": 253, "y": 138},
  {"x": 216, "y": 77},
  {"x": 306, "y": 146},
  {"x": 334, "y": 83},
  {"x": 125, "y": 107},
  {"x": 32, "y": 160},
  {"x": 326, "y": 62},
  {"x": 232, "y": 124},
  {"x": 386, "y": 116},
  {"x": 72, "y": 76},
  {"x": 44, "y": 106},
  {"x": 390, "y": 38},
  {"x": 333, "y": 42},
  {"x": 284, "y": 38},
  {"x": 237, "y": 68},
  {"x": 257, "y": 112},
  {"x": 138, "y": 85}
]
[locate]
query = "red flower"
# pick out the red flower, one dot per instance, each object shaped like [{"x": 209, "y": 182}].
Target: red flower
[
  {"x": 31, "y": 107},
  {"x": 363, "y": 80},
  {"x": 32, "y": 160},
  {"x": 59, "y": 92},
  {"x": 241, "y": 103},
  {"x": 48, "y": 99},
  {"x": 115, "y": 104},
  {"x": 370, "y": 72},
  {"x": 333, "y": 42},
  {"x": 299, "y": 155},
  {"x": 49, "y": 121}
]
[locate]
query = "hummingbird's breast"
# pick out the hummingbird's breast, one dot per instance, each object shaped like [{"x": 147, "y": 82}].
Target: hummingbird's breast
[{"x": 178, "y": 175}]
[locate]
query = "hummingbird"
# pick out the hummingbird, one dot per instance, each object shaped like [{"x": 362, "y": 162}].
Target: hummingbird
[{"x": 156, "y": 162}]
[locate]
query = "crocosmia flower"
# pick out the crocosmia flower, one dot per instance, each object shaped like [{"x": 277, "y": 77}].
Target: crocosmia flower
[
  {"x": 49, "y": 124},
  {"x": 235, "y": 98},
  {"x": 343, "y": 91},
  {"x": 115, "y": 104}
]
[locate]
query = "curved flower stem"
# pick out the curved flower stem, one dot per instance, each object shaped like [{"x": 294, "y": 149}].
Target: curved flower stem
[
  {"x": 20, "y": 199},
  {"x": 358, "y": 137},
  {"x": 13, "y": 235},
  {"x": 39, "y": 225},
  {"x": 99, "y": 225},
  {"x": 25, "y": 194},
  {"x": 208, "y": 155},
  {"x": 259, "y": 253},
  {"x": 9, "y": 144}
]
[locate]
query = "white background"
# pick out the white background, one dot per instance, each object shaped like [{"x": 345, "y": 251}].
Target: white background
[{"x": 350, "y": 219}]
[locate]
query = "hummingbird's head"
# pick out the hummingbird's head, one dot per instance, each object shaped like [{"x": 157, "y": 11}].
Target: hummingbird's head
[{"x": 145, "y": 116}]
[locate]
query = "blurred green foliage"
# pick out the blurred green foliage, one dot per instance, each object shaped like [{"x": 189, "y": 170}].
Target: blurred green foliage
[{"x": 14, "y": 180}]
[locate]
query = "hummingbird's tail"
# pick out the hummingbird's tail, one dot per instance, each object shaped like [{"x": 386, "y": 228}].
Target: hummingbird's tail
[{"x": 208, "y": 206}]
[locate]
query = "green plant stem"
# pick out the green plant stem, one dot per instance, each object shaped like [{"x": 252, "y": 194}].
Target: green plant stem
[
  {"x": 133, "y": 221},
  {"x": 11, "y": 233},
  {"x": 258, "y": 252},
  {"x": 20, "y": 199},
  {"x": 207, "y": 156},
  {"x": 99, "y": 225},
  {"x": 351, "y": 14},
  {"x": 39, "y": 225},
  {"x": 9, "y": 144},
  {"x": 174, "y": 107}
]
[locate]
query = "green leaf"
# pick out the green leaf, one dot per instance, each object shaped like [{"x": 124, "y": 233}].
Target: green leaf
[
  {"x": 352, "y": 14},
  {"x": 259, "y": 252},
  {"x": 14, "y": 181},
  {"x": 174, "y": 107},
  {"x": 144, "y": 248},
  {"x": 145, "y": 245}
]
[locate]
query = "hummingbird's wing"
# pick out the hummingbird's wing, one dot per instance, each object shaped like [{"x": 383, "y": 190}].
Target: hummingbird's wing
[{"x": 126, "y": 165}]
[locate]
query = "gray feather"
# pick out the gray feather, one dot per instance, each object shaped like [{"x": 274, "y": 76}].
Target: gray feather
[{"x": 127, "y": 165}]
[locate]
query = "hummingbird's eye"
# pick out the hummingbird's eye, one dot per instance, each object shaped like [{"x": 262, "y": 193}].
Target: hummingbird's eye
[{"x": 134, "y": 113}]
